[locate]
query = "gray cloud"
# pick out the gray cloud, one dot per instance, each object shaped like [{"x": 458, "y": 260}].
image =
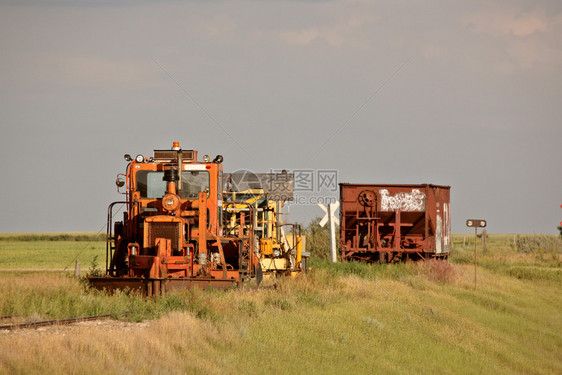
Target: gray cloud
[{"x": 477, "y": 107}]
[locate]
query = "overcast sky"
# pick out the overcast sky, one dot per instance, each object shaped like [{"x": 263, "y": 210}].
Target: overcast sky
[{"x": 459, "y": 93}]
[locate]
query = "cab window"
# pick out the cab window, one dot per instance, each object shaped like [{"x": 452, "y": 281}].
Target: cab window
[{"x": 150, "y": 184}]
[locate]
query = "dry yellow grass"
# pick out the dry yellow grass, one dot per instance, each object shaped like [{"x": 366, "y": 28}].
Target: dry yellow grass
[
  {"x": 423, "y": 318},
  {"x": 175, "y": 344}
]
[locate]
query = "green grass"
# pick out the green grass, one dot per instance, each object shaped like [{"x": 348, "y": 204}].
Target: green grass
[
  {"x": 37, "y": 296},
  {"x": 352, "y": 318},
  {"x": 50, "y": 254},
  {"x": 530, "y": 257},
  {"x": 427, "y": 331}
]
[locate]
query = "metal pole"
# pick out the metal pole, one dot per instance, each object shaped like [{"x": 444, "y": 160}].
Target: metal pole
[{"x": 475, "y": 239}]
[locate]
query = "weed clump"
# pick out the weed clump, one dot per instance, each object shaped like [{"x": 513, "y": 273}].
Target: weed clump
[
  {"x": 439, "y": 271},
  {"x": 280, "y": 301},
  {"x": 95, "y": 270},
  {"x": 248, "y": 307},
  {"x": 535, "y": 273}
]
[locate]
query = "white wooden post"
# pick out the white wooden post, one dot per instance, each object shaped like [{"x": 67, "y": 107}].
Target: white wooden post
[{"x": 333, "y": 220}]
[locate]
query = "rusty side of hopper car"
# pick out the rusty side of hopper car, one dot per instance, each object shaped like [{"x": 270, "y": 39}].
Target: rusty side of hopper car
[{"x": 386, "y": 223}]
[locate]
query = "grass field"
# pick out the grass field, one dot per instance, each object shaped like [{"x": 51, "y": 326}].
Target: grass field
[
  {"x": 51, "y": 250},
  {"x": 352, "y": 318}
]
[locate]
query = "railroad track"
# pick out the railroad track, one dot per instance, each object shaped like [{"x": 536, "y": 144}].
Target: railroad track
[{"x": 49, "y": 322}]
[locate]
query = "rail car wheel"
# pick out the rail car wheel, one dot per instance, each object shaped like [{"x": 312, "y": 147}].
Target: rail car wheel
[
  {"x": 383, "y": 257},
  {"x": 367, "y": 198}
]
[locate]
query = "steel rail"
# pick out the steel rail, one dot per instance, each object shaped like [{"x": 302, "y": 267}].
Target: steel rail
[{"x": 51, "y": 322}]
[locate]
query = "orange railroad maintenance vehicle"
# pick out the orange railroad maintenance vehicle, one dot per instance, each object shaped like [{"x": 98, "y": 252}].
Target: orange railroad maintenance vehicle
[{"x": 171, "y": 235}]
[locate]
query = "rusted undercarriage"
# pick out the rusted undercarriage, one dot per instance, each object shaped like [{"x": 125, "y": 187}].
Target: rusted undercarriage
[
  {"x": 167, "y": 263},
  {"x": 157, "y": 287}
]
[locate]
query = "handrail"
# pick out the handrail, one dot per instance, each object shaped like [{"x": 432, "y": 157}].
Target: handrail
[{"x": 109, "y": 235}]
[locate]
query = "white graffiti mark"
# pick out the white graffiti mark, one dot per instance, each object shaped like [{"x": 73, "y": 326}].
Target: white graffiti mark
[
  {"x": 438, "y": 234},
  {"x": 414, "y": 201}
]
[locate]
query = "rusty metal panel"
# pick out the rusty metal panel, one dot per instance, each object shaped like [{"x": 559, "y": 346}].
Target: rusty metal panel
[
  {"x": 168, "y": 230},
  {"x": 382, "y": 222},
  {"x": 170, "y": 155},
  {"x": 155, "y": 287}
]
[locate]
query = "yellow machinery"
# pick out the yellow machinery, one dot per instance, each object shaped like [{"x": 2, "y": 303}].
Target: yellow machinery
[{"x": 279, "y": 253}]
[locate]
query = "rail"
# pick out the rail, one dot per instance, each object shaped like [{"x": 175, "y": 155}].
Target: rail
[{"x": 49, "y": 322}]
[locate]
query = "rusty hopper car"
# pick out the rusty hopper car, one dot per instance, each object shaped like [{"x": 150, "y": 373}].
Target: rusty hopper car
[{"x": 387, "y": 223}]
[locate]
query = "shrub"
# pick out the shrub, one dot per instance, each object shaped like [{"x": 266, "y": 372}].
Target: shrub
[
  {"x": 538, "y": 243},
  {"x": 318, "y": 239},
  {"x": 95, "y": 271}
]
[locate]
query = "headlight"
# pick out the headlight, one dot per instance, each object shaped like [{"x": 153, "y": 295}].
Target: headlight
[
  {"x": 171, "y": 202},
  {"x": 276, "y": 253},
  {"x": 206, "y": 158},
  {"x": 139, "y": 158}
]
